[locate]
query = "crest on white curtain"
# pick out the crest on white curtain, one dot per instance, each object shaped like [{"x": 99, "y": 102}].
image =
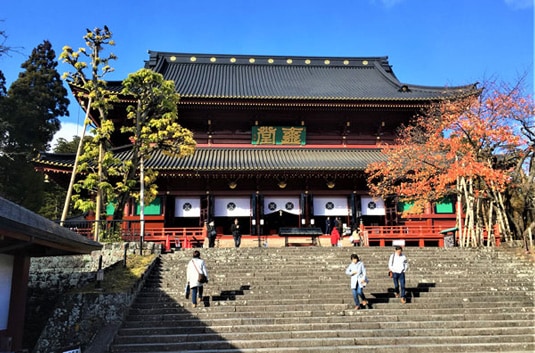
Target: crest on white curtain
[
  {"x": 232, "y": 206},
  {"x": 285, "y": 203},
  {"x": 330, "y": 206},
  {"x": 187, "y": 207},
  {"x": 372, "y": 206}
]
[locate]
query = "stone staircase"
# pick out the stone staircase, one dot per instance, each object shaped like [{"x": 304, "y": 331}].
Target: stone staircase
[{"x": 298, "y": 299}]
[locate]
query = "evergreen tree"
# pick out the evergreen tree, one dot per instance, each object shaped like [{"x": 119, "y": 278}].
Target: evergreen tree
[
  {"x": 39, "y": 99},
  {"x": 3, "y": 121},
  {"x": 65, "y": 146},
  {"x": 30, "y": 116}
]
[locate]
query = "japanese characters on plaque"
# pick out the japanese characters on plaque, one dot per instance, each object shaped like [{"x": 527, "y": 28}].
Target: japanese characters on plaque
[{"x": 278, "y": 135}]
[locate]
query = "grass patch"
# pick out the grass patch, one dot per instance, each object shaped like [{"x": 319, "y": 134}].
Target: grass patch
[{"x": 119, "y": 278}]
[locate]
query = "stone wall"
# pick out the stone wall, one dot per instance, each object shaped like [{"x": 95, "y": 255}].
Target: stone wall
[{"x": 55, "y": 319}]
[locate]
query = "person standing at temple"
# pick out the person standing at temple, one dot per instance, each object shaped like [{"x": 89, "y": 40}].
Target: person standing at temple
[
  {"x": 328, "y": 225},
  {"x": 398, "y": 265},
  {"x": 356, "y": 238},
  {"x": 338, "y": 226},
  {"x": 335, "y": 237},
  {"x": 212, "y": 234},
  {"x": 195, "y": 268},
  {"x": 236, "y": 233}
]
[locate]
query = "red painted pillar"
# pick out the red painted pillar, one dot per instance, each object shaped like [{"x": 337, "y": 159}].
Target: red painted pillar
[
  {"x": 167, "y": 244},
  {"x": 497, "y": 235}
]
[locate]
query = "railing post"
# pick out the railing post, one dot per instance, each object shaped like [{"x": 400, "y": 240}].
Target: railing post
[{"x": 497, "y": 235}]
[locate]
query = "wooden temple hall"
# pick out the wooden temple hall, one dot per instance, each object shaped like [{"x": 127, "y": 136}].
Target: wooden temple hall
[{"x": 282, "y": 141}]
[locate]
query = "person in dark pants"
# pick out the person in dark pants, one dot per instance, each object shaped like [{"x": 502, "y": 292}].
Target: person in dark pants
[
  {"x": 195, "y": 267},
  {"x": 398, "y": 265},
  {"x": 328, "y": 225},
  {"x": 236, "y": 233},
  {"x": 338, "y": 225},
  {"x": 212, "y": 234}
]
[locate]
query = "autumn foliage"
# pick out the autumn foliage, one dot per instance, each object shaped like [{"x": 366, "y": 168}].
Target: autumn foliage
[{"x": 469, "y": 147}]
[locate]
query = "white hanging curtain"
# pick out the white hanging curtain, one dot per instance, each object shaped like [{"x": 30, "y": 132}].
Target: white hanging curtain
[
  {"x": 232, "y": 206},
  {"x": 285, "y": 203},
  {"x": 330, "y": 206},
  {"x": 372, "y": 206},
  {"x": 187, "y": 207}
]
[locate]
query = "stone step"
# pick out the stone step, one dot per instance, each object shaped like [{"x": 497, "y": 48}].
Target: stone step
[
  {"x": 340, "y": 304},
  {"x": 194, "y": 326},
  {"x": 284, "y": 334},
  {"x": 498, "y": 279},
  {"x": 225, "y": 293},
  {"x": 291, "y": 341},
  {"x": 400, "y": 314},
  {"x": 402, "y": 348},
  {"x": 381, "y": 270},
  {"x": 429, "y": 289},
  {"x": 318, "y": 283},
  {"x": 239, "y": 300},
  {"x": 189, "y": 322},
  {"x": 298, "y": 300}
]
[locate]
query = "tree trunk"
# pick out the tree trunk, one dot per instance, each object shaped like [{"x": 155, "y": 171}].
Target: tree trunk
[
  {"x": 75, "y": 166},
  {"x": 99, "y": 197}
]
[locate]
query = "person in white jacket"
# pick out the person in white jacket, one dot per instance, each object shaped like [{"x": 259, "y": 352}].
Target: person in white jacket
[
  {"x": 195, "y": 267},
  {"x": 398, "y": 265},
  {"x": 357, "y": 271}
]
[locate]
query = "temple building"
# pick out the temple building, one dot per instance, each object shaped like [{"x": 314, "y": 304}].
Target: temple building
[{"x": 282, "y": 141}]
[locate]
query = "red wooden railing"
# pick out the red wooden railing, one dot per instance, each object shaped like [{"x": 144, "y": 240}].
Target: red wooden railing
[
  {"x": 385, "y": 235},
  {"x": 421, "y": 234},
  {"x": 186, "y": 237},
  {"x": 180, "y": 237}
]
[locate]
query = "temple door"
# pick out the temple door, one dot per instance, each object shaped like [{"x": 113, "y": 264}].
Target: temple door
[{"x": 391, "y": 212}]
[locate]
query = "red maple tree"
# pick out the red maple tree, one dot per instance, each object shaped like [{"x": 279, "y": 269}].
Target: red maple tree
[{"x": 475, "y": 148}]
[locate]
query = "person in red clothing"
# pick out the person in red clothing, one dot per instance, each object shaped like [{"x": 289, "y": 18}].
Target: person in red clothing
[{"x": 335, "y": 236}]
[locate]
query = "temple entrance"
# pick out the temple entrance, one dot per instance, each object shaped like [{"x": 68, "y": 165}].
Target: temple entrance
[
  {"x": 276, "y": 220},
  {"x": 223, "y": 225}
]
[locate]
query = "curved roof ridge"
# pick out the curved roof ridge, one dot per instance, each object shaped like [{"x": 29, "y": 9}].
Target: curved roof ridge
[
  {"x": 227, "y": 76},
  {"x": 471, "y": 86},
  {"x": 262, "y": 59}
]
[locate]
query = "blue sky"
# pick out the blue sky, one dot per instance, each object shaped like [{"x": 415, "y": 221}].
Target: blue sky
[{"x": 428, "y": 42}]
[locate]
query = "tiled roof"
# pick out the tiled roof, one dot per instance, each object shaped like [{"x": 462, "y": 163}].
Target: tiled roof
[
  {"x": 239, "y": 159},
  {"x": 276, "y": 77},
  {"x": 35, "y": 235}
]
